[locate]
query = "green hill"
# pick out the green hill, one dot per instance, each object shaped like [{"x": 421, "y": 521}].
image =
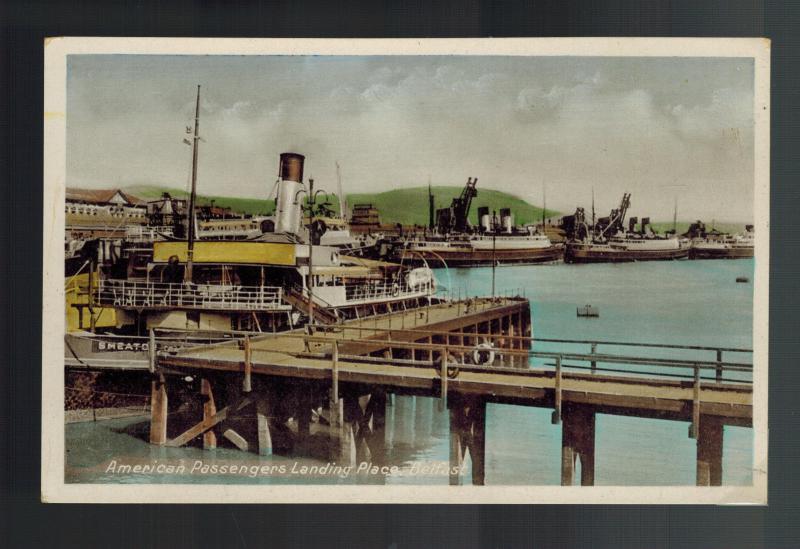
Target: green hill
[
  {"x": 410, "y": 206},
  {"x": 252, "y": 206},
  {"x": 407, "y": 206}
]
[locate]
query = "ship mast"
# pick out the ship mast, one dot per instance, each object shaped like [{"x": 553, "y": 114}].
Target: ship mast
[
  {"x": 675, "y": 217},
  {"x": 544, "y": 204},
  {"x": 187, "y": 275},
  {"x": 342, "y": 199}
]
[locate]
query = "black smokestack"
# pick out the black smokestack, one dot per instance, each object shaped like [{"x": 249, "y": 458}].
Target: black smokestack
[{"x": 291, "y": 168}]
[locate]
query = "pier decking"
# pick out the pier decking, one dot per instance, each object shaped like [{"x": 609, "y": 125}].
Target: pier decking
[{"x": 349, "y": 369}]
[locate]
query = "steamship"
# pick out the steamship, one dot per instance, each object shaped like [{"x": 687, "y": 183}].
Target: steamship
[
  {"x": 608, "y": 241},
  {"x": 281, "y": 280},
  {"x": 717, "y": 245},
  {"x": 496, "y": 240}
]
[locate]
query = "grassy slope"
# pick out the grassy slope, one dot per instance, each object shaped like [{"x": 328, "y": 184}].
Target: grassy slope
[
  {"x": 410, "y": 206},
  {"x": 406, "y": 206}
]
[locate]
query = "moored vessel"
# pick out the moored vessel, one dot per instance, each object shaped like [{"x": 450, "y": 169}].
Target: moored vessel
[
  {"x": 717, "y": 245},
  {"x": 453, "y": 242},
  {"x": 608, "y": 241}
]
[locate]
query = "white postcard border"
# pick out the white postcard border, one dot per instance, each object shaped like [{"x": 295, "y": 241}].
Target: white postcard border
[{"x": 53, "y": 487}]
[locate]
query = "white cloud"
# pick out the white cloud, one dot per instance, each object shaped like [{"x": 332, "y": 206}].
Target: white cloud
[{"x": 653, "y": 129}]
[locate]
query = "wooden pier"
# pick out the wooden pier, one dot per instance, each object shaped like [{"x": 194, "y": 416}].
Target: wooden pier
[{"x": 468, "y": 354}]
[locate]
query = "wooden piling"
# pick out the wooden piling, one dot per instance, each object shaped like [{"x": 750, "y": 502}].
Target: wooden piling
[
  {"x": 304, "y": 404},
  {"x": 209, "y": 410},
  {"x": 456, "y": 447},
  {"x": 577, "y": 442},
  {"x": 248, "y": 366},
  {"x": 263, "y": 427},
  {"x": 158, "y": 410},
  {"x": 336, "y": 404},
  {"x": 468, "y": 433},
  {"x": 709, "y": 451}
]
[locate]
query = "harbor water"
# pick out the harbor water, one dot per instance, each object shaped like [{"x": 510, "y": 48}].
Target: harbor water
[{"x": 672, "y": 302}]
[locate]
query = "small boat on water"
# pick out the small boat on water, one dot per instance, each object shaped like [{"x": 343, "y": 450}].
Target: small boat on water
[{"x": 717, "y": 245}]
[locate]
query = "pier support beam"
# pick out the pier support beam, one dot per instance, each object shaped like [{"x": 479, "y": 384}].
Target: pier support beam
[
  {"x": 709, "y": 451},
  {"x": 305, "y": 402},
  {"x": 577, "y": 441},
  {"x": 158, "y": 410},
  {"x": 263, "y": 426},
  {"x": 363, "y": 433},
  {"x": 468, "y": 432},
  {"x": 209, "y": 411}
]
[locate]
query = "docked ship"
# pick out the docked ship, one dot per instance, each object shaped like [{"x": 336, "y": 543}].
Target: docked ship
[
  {"x": 608, "y": 240},
  {"x": 453, "y": 242},
  {"x": 283, "y": 279},
  {"x": 718, "y": 245}
]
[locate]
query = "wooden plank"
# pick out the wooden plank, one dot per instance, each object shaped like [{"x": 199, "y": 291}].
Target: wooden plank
[
  {"x": 205, "y": 425},
  {"x": 237, "y": 439}
]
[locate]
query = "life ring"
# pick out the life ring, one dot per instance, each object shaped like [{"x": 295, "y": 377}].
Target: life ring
[
  {"x": 483, "y": 354},
  {"x": 452, "y": 366},
  {"x": 395, "y": 289}
]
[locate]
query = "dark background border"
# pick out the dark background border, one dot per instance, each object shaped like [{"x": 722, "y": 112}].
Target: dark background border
[{"x": 26, "y": 522}]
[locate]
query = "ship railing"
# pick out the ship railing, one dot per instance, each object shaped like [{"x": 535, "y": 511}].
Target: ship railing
[
  {"x": 141, "y": 233},
  {"x": 164, "y": 295},
  {"x": 387, "y": 291}
]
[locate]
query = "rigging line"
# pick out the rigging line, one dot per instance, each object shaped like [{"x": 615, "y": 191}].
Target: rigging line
[{"x": 76, "y": 274}]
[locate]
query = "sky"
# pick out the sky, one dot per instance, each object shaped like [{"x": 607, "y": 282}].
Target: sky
[{"x": 663, "y": 129}]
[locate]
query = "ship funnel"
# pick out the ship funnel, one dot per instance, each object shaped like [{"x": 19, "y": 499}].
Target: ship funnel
[
  {"x": 483, "y": 218},
  {"x": 288, "y": 211},
  {"x": 507, "y": 220},
  {"x": 632, "y": 224},
  {"x": 291, "y": 168}
]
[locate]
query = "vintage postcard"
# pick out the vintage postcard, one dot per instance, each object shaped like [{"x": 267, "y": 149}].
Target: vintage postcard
[{"x": 471, "y": 270}]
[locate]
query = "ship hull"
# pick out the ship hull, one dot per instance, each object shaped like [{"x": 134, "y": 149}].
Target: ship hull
[
  {"x": 721, "y": 253},
  {"x": 467, "y": 257},
  {"x": 583, "y": 255}
]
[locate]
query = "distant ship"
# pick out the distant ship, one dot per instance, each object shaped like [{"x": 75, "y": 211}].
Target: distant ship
[
  {"x": 453, "y": 242},
  {"x": 717, "y": 245},
  {"x": 609, "y": 241}
]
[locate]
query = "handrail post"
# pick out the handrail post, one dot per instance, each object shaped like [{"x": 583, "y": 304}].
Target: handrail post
[
  {"x": 556, "y": 417},
  {"x": 151, "y": 349},
  {"x": 443, "y": 375},
  {"x": 695, "y": 426},
  {"x": 594, "y": 363},
  {"x": 719, "y": 366},
  {"x": 335, "y": 411}
]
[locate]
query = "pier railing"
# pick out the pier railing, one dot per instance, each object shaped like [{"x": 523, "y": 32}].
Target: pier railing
[
  {"x": 155, "y": 295},
  {"x": 500, "y": 353}
]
